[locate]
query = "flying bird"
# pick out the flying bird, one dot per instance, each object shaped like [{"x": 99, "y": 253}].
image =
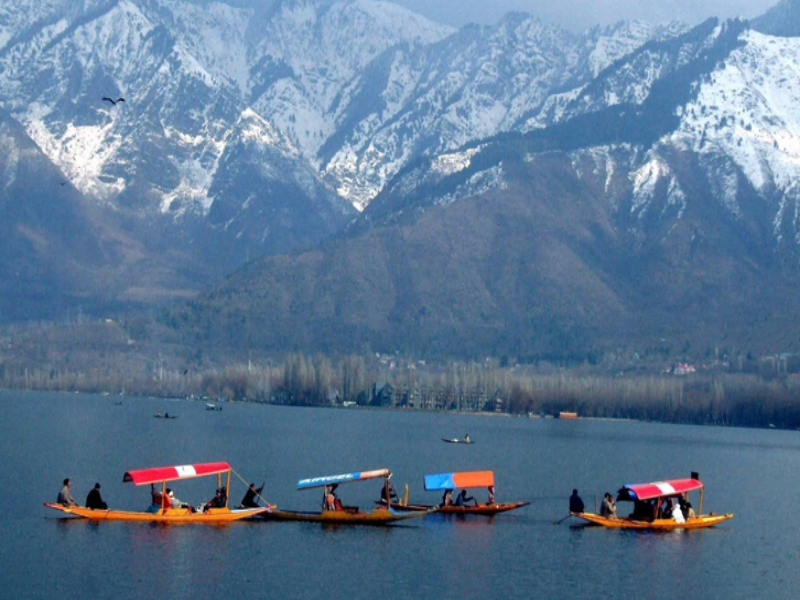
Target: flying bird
[{"x": 114, "y": 101}]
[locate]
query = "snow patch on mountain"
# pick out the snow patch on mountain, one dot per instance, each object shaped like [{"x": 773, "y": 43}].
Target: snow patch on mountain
[
  {"x": 747, "y": 110},
  {"x": 647, "y": 180},
  {"x": 608, "y": 44},
  {"x": 213, "y": 33},
  {"x": 447, "y": 164}
]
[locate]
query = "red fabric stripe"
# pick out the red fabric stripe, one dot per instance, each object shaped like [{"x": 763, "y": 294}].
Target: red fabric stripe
[{"x": 157, "y": 474}]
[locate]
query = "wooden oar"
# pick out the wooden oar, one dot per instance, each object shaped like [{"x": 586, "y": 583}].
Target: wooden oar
[{"x": 561, "y": 520}]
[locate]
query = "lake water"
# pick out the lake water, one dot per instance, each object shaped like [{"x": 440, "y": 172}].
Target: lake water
[{"x": 521, "y": 554}]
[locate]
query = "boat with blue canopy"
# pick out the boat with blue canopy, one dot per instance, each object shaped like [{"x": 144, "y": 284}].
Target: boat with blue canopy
[
  {"x": 444, "y": 482},
  {"x": 333, "y": 511}
]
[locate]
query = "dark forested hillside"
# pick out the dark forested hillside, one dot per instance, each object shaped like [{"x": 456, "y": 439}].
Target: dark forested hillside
[{"x": 546, "y": 267}]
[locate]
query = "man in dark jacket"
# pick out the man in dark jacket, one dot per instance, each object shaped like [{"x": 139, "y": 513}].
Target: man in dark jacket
[
  {"x": 575, "y": 503},
  {"x": 94, "y": 500},
  {"x": 250, "y": 499}
]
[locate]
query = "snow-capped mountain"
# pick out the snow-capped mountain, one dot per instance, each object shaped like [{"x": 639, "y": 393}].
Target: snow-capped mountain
[
  {"x": 356, "y": 89},
  {"x": 251, "y": 131},
  {"x": 705, "y": 116},
  {"x": 656, "y": 209}
]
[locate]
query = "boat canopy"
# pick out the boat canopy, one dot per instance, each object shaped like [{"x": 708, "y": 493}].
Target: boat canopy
[
  {"x": 159, "y": 474},
  {"x": 314, "y": 482},
  {"x": 451, "y": 481},
  {"x": 659, "y": 489}
]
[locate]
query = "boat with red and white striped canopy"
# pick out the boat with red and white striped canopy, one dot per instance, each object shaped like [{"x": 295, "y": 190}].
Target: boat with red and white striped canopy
[
  {"x": 162, "y": 510},
  {"x": 661, "y": 505}
]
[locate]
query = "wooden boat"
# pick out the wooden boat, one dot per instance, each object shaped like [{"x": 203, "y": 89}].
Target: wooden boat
[
  {"x": 210, "y": 406},
  {"x": 647, "y": 497},
  {"x": 167, "y": 514},
  {"x": 482, "y": 508},
  {"x": 335, "y": 512},
  {"x": 165, "y": 416},
  {"x": 458, "y": 441},
  {"x": 463, "y": 480},
  {"x": 567, "y": 415},
  {"x": 348, "y": 515}
]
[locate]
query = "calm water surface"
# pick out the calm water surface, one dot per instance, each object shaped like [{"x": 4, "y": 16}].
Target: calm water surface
[{"x": 47, "y": 437}]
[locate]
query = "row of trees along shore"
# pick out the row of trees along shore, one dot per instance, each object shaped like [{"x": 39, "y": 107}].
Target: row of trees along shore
[{"x": 719, "y": 397}]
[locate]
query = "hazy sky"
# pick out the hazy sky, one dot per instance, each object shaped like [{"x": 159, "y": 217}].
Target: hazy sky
[{"x": 580, "y": 14}]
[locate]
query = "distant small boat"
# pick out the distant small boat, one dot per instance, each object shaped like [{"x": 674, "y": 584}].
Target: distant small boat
[
  {"x": 165, "y": 416},
  {"x": 458, "y": 441},
  {"x": 567, "y": 415},
  {"x": 210, "y": 406}
]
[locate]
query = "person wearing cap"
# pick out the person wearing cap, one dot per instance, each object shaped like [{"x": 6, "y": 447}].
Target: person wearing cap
[
  {"x": 220, "y": 499},
  {"x": 94, "y": 500}
]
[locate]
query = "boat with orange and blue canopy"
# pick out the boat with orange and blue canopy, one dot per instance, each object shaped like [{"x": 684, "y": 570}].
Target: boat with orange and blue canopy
[
  {"x": 333, "y": 511},
  {"x": 165, "y": 513},
  {"x": 648, "y": 512},
  {"x": 464, "y": 480}
]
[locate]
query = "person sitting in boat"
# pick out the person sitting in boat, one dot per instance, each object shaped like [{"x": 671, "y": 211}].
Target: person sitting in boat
[
  {"x": 94, "y": 500},
  {"x": 220, "y": 499},
  {"x": 156, "y": 500},
  {"x": 329, "y": 499},
  {"x": 447, "y": 497},
  {"x": 644, "y": 510},
  {"x": 466, "y": 438},
  {"x": 686, "y": 506},
  {"x": 664, "y": 509},
  {"x": 575, "y": 503},
  {"x": 392, "y": 494},
  {"x": 461, "y": 499},
  {"x": 675, "y": 511},
  {"x": 491, "y": 495},
  {"x": 175, "y": 503},
  {"x": 609, "y": 508},
  {"x": 250, "y": 499},
  {"x": 64, "y": 496}
]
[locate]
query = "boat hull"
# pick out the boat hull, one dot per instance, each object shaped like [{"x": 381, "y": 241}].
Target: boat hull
[
  {"x": 480, "y": 509},
  {"x": 173, "y": 515},
  {"x": 656, "y": 525},
  {"x": 456, "y": 441},
  {"x": 374, "y": 517}
]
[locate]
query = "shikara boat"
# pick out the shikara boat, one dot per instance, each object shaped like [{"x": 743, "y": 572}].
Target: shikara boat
[
  {"x": 167, "y": 514},
  {"x": 647, "y": 497},
  {"x": 337, "y": 513},
  {"x": 463, "y": 480},
  {"x": 458, "y": 441}
]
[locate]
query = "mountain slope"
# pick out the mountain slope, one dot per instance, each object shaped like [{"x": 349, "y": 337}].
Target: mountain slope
[{"x": 665, "y": 222}]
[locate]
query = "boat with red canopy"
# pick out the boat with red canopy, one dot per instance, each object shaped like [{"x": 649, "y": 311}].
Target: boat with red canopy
[
  {"x": 463, "y": 480},
  {"x": 334, "y": 512},
  {"x": 662, "y": 505},
  {"x": 163, "y": 511}
]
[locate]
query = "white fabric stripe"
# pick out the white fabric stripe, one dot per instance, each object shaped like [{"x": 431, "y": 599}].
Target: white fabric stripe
[{"x": 666, "y": 488}]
